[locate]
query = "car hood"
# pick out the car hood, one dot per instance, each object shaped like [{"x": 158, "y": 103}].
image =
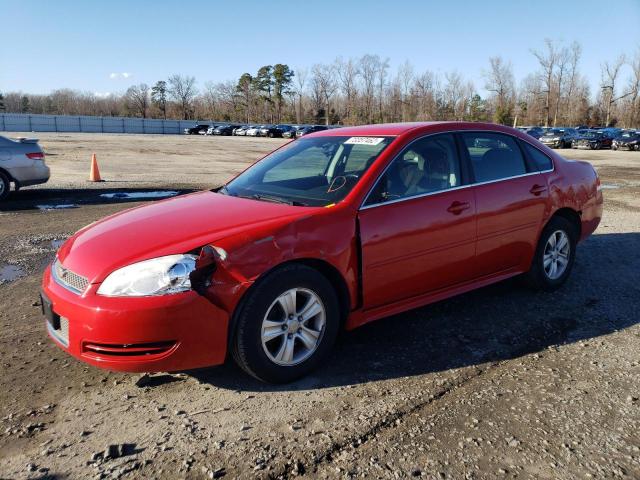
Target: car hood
[{"x": 167, "y": 227}]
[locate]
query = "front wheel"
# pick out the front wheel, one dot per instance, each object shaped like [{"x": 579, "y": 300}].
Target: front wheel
[
  {"x": 554, "y": 255},
  {"x": 287, "y": 325}
]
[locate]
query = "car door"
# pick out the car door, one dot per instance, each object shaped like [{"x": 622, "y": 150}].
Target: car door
[
  {"x": 417, "y": 225},
  {"x": 511, "y": 197}
]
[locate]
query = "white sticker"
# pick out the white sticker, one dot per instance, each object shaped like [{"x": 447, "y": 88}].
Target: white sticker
[{"x": 364, "y": 141}]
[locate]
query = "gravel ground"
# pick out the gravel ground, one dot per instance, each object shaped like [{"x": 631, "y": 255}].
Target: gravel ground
[{"x": 500, "y": 382}]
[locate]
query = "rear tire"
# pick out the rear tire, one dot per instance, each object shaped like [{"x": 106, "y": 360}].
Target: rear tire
[
  {"x": 554, "y": 255},
  {"x": 5, "y": 186},
  {"x": 273, "y": 317}
]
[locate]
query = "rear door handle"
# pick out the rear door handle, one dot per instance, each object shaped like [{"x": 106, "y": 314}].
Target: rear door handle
[
  {"x": 458, "y": 207},
  {"x": 538, "y": 189}
]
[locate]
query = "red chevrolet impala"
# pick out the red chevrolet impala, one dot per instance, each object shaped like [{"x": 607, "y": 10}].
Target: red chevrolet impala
[{"x": 331, "y": 231}]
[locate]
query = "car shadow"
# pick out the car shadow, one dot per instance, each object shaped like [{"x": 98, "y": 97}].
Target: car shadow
[
  {"x": 62, "y": 198},
  {"x": 495, "y": 323}
]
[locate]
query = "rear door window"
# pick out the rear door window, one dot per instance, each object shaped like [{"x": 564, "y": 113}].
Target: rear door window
[{"x": 494, "y": 156}]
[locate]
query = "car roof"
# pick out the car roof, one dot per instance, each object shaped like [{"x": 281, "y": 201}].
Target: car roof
[{"x": 395, "y": 129}]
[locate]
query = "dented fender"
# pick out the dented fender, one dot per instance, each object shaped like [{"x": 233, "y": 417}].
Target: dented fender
[{"x": 248, "y": 256}]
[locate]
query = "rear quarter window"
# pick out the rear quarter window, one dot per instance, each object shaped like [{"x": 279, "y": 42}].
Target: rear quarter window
[{"x": 540, "y": 159}]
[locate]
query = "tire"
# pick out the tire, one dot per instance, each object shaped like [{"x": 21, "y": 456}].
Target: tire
[
  {"x": 5, "y": 186},
  {"x": 540, "y": 278},
  {"x": 270, "y": 134},
  {"x": 260, "y": 358}
]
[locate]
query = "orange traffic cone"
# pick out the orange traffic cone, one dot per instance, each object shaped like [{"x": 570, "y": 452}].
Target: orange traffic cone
[{"x": 94, "y": 175}]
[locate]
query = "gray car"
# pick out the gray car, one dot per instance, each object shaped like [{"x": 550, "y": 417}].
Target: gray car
[{"x": 21, "y": 162}]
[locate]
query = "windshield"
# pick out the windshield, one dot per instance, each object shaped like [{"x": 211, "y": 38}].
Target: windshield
[
  {"x": 591, "y": 135},
  {"x": 309, "y": 171}
]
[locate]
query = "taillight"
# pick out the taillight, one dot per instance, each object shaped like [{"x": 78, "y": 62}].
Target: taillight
[{"x": 35, "y": 155}]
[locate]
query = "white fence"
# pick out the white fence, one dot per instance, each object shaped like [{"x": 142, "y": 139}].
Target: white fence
[{"x": 23, "y": 122}]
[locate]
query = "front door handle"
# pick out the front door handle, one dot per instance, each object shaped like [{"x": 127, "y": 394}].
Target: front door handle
[
  {"x": 458, "y": 207},
  {"x": 538, "y": 189}
]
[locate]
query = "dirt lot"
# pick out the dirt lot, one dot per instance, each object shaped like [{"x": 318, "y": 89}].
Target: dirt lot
[{"x": 498, "y": 383}]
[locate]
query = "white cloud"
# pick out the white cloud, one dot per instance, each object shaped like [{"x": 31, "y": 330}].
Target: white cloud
[{"x": 116, "y": 75}]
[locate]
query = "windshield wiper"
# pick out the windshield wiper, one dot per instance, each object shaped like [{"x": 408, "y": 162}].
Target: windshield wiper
[{"x": 269, "y": 198}]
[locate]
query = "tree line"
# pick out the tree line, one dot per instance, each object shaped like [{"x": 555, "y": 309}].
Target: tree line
[{"x": 365, "y": 90}]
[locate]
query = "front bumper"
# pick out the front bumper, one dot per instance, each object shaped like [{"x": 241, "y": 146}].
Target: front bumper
[
  {"x": 552, "y": 144},
  {"x": 145, "y": 334}
]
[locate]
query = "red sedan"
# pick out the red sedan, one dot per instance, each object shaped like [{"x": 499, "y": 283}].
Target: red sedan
[{"x": 331, "y": 231}]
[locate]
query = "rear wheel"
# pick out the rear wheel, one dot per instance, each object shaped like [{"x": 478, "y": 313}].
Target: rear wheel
[
  {"x": 287, "y": 325},
  {"x": 5, "y": 186},
  {"x": 554, "y": 256}
]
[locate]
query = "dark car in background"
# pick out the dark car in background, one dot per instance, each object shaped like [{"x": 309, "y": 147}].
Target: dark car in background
[
  {"x": 558, "y": 137},
  {"x": 271, "y": 131},
  {"x": 311, "y": 129},
  {"x": 225, "y": 130},
  {"x": 199, "y": 129},
  {"x": 284, "y": 129},
  {"x": 629, "y": 140},
  {"x": 535, "y": 132},
  {"x": 293, "y": 133},
  {"x": 592, "y": 140}
]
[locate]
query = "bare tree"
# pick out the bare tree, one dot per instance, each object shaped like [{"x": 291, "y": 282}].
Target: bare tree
[
  {"x": 634, "y": 89},
  {"x": 323, "y": 79},
  {"x": 183, "y": 90},
  {"x": 137, "y": 98},
  {"x": 405, "y": 80},
  {"x": 610, "y": 73},
  {"x": 575, "y": 52},
  {"x": 500, "y": 81},
  {"x": 347, "y": 72},
  {"x": 299, "y": 89},
  {"x": 563, "y": 60},
  {"x": 381, "y": 73},
  {"x": 547, "y": 61},
  {"x": 369, "y": 66}
]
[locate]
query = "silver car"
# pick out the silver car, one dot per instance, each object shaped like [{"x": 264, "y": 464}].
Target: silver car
[{"x": 21, "y": 162}]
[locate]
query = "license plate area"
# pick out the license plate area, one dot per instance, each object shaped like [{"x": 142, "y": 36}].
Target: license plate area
[{"x": 57, "y": 326}]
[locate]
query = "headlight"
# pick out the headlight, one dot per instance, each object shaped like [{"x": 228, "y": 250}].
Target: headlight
[{"x": 158, "y": 276}]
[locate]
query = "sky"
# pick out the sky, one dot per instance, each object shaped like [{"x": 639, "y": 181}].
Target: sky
[{"x": 105, "y": 46}]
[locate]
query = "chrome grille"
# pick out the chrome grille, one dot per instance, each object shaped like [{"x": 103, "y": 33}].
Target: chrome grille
[{"x": 68, "y": 279}]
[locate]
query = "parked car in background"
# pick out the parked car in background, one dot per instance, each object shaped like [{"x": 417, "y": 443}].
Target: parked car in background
[
  {"x": 333, "y": 231},
  {"x": 254, "y": 131},
  {"x": 284, "y": 129},
  {"x": 558, "y": 137},
  {"x": 225, "y": 130},
  {"x": 310, "y": 129},
  {"x": 199, "y": 129},
  {"x": 270, "y": 131},
  {"x": 293, "y": 133},
  {"x": 535, "y": 132},
  {"x": 21, "y": 163},
  {"x": 242, "y": 131},
  {"x": 629, "y": 140},
  {"x": 592, "y": 140}
]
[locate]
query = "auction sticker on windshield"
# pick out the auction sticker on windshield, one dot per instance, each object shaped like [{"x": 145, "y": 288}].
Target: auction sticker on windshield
[{"x": 364, "y": 141}]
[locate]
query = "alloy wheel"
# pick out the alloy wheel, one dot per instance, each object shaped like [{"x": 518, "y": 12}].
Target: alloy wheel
[
  {"x": 293, "y": 326},
  {"x": 556, "y": 254}
]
